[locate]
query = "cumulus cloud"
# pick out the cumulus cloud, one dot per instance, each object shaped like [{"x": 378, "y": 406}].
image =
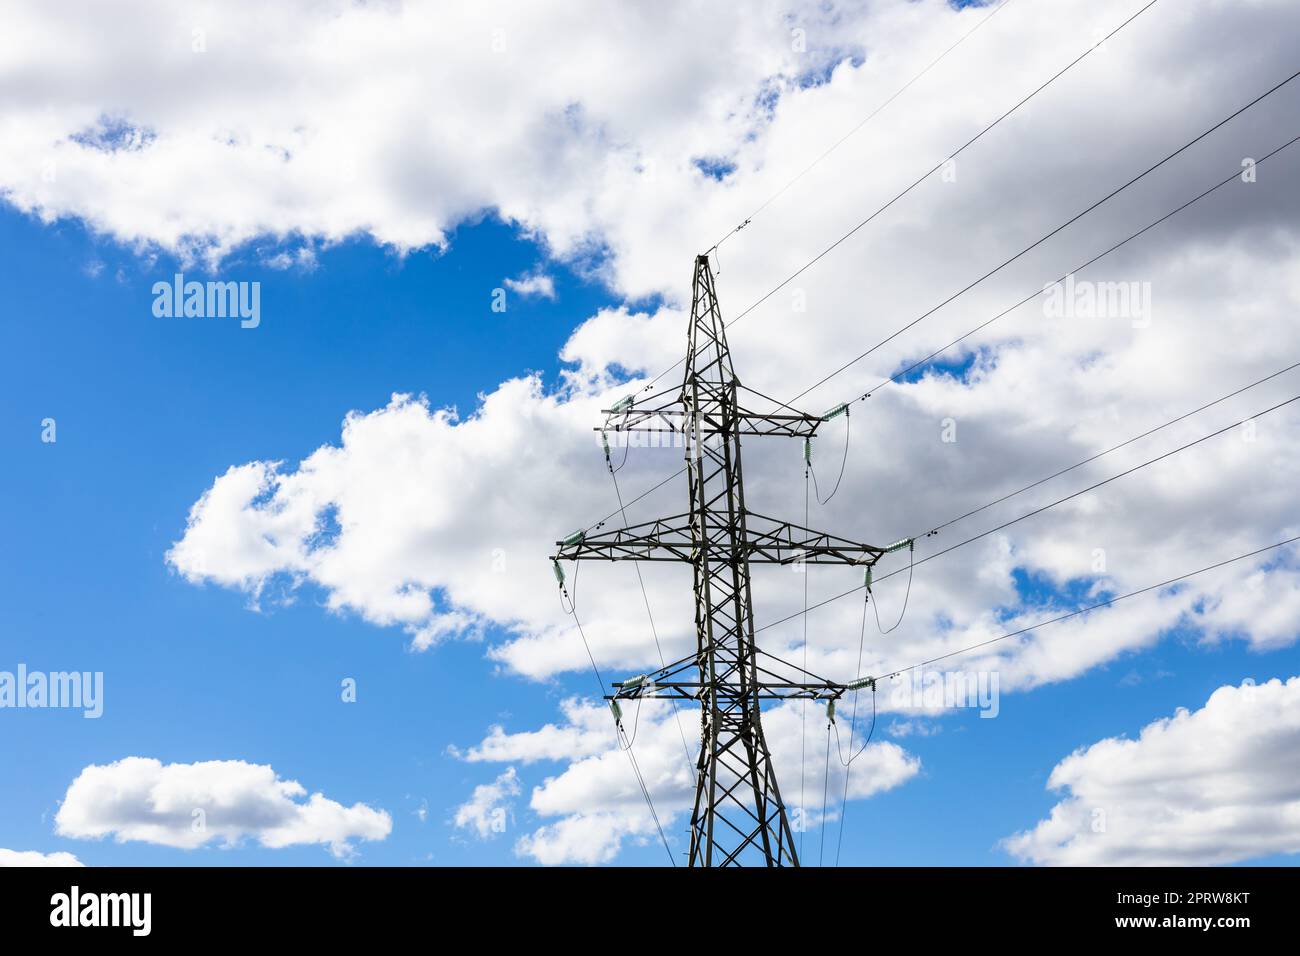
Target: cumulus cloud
[
  {"x": 595, "y": 804},
  {"x": 534, "y": 284},
  {"x": 214, "y": 124},
  {"x": 35, "y": 858},
  {"x": 189, "y": 805},
  {"x": 1210, "y": 786},
  {"x": 485, "y": 811},
  {"x": 584, "y": 838}
]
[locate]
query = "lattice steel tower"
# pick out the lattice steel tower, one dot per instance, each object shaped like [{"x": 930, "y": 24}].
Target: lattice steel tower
[{"x": 738, "y": 816}]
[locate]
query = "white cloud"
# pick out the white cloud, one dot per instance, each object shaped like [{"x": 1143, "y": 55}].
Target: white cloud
[
  {"x": 1215, "y": 785},
  {"x": 501, "y": 105},
  {"x": 34, "y": 858},
  {"x": 914, "y": 728},
  {"x": 583, "y": 838},
  {"x": 486, "y": 810},
  {"x": 535, "y": 284},
  {"x": 189, "y": 805},
  {"x": 598, "y": 801}
]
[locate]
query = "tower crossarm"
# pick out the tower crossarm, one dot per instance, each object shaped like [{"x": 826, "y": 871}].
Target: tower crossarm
[
  {"x": 772, "y": 541},
  {"x": 673, "y": 417},
  {"x": 778, "y": 680},
  {"x": 664, "y": 539},
  {"x": 767, "y": 541}
]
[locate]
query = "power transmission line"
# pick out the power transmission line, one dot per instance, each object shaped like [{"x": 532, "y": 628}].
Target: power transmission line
[
  {"x": 989, "y": 322},
  {"x": 899, "y": 376},
  {"x": 781, "y": 285},
  {"x": 1033, "y": 627},
  {"x": 728, "y": 324},
  {"x": 1128, "y": 441},
  {"x": 843, "y": 139},
  {"x": 649, "y": 614},
  {"x": 1040, "y": 510},
  {"x": 718, "y": 542},
  {"x": 619, "y": 734},
  {"x": 622, "y": 509},
  {"x": 853, "y": 722},
  {"x": 1091, "y": 607},
  {"x": 1038, "y": 242}
]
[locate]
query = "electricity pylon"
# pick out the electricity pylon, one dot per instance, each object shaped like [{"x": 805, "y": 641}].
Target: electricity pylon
[{"x": 738, "y": 816}]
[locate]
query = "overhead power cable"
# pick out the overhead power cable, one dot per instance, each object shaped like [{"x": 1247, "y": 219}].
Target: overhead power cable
[
  {"x": 826, "y": 789},
  {"x": 1091, "y": 607},
  {"x": 911, "y": 368},
  {"x": 930, "y": 172},
  {"x": 1124, "y": 444},
  {"x": 1038, "y": 242},
  {"x": 620, "y": 736},
  {"x": 1040, "y": 510},
  {"x": 622, "y": 509},
  {"x": 844, "y": 460},
  {"x": 803, "y": 713},
  {"x": 1024, "y": 301},
  {"x": 899, "y": 376},
  {"x": 1266, "y": 157},
  {"x": 870, "y": 116},
  {"x": 645, "y": 598},
  {"x": 853, "y": 722},
  {"x": 972, "y": 512}
]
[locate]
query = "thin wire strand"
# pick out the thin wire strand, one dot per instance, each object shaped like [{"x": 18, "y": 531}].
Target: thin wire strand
[
  {"x": 853, "y": 720},
  {"x": 645, "y": 597},
  {"x": 855, "y": 754},
  {"x": 843, "y": 139},
  {"x": 623, "y": 509},
  {"x": 844, "y": 459},
  {"x": 826, "y": 786},
  {"x": 875, "y": 605},
  {"x": 645, "y": 792},
  {"x": 1124, "y": 444},
  {"x": 636, "y": 725},
  {"x": 803, "y": 717},
  {"x": 848, "y": 768},
  {"x": 619, "y": 734}
]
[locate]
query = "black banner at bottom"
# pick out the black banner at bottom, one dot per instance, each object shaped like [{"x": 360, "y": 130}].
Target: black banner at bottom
[{"x": 333, "y": 905}]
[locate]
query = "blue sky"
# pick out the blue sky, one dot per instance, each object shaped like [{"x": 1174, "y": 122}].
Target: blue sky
[
  {"x": 600, "y": 149},
  {"x": 149, "y": 410}
]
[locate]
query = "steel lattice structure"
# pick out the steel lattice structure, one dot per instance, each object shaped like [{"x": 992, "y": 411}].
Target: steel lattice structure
[{"x": 738, "y": 816}]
